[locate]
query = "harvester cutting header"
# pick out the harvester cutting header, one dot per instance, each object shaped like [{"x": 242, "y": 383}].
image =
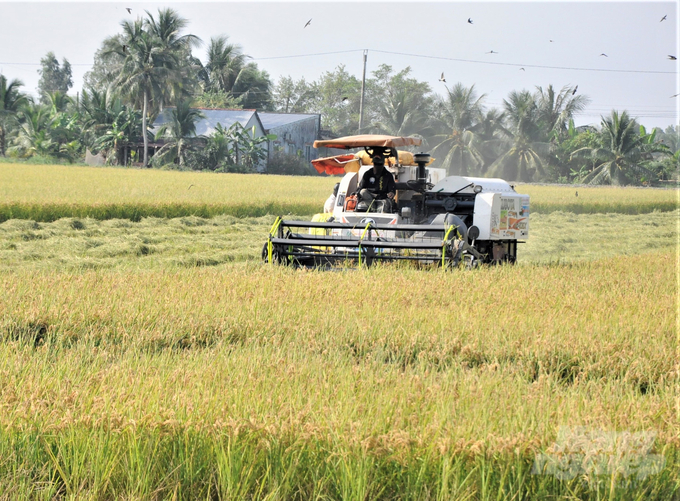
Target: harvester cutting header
[{"x": 390, "y": 205}]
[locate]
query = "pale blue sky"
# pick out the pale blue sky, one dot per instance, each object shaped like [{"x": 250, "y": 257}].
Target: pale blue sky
[{"x": 431, "y": 38}]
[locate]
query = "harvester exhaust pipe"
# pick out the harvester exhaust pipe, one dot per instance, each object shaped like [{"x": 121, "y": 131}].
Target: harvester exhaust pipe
[{"x": 422, "y": 159}]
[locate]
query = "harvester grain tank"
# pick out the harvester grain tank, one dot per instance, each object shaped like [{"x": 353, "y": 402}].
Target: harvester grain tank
[{"x": 433, "y": 219}]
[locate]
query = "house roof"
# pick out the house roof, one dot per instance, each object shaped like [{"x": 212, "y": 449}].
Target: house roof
[
  {"x": 273, "y": 120},
  {"x": 206, "y": 126}
]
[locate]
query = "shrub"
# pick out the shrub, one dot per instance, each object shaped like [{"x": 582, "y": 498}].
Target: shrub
[{"x": 291, "y": 165}]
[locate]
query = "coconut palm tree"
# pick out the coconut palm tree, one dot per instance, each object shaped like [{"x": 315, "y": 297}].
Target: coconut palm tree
[
  {"x": 33, "y": 135},
  {"x": 459, "y": 112},
  {"x": 228, "y": 70},
  {"x": 11, "y": 101},
  {"x": 224, "y": 67},
  {"x": 178, "y": 132},
  {"x": 556, "y": 109},
  {"x": 166, "y": 30},
  {"x": 622, "y": 153},
  {"x": 145, "y": 69},
  {"x": 523, "y": 160}
]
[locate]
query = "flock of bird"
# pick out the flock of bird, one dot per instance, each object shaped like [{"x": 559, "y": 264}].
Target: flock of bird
[{"x": 470, "y": 21}]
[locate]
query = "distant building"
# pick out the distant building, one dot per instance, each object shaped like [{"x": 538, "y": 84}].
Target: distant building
[
  {"x": 295, "y": 133},
  {"x": 225, "y": 117}
]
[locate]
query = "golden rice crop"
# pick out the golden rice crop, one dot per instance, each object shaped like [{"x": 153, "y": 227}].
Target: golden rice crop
[
  {"x": 600, "y": 199},
  {"x": 495, "y": 357},
  {"x": 50, "y": 192}
]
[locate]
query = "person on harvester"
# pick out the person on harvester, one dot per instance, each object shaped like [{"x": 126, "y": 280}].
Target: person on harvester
[{"x": 377, "y": 184}]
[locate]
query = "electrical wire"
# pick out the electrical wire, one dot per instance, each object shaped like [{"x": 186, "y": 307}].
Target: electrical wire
[{"x": 523, "y": 65}]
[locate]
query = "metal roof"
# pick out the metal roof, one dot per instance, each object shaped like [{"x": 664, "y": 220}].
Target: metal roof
[
  {"x": 206, "y": 126},
  {"x": 273, "y": 120}
]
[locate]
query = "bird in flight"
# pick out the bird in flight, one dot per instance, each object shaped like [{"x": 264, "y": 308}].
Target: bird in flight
[
  {"x": 603, "y": 54},
  {"x": 551, "y": 41},
  {"x": 574, "y": 91},
  {"x": 675, "y": 95},
  {"x": 664, "y": 17},
  {"x": 522, "y": 69},
  {"x": 308, "y": 22},
  {"x": 672, "y": 58},
  {"x": 441, "y": 78},
  {"x": 129, "y": 10},
  {"x": 492, "y": 52},
  {"x": 469, "y": 20},
  {"x": 190, "y": 186}
]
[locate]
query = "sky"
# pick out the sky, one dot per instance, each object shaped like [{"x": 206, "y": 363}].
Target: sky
[{"x": 558, "y": 43}]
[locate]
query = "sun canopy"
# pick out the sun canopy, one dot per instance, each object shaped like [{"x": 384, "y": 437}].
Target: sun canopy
[
  {"x": 337, "y": 165},
  {"x": 360, "y": 141}
]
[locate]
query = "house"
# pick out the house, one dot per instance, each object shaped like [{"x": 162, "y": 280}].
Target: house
[
  {"x": 295, "y": 133},
  {"x": 226, "y": 118}
]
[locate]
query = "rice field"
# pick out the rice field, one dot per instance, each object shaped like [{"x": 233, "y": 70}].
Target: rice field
[
  {"x": 45, "y": 193},
  {"x": 158, "y": 358}
]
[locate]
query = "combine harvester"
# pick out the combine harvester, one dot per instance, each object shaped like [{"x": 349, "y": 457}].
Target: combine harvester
[{"x": 433, "y": 219}]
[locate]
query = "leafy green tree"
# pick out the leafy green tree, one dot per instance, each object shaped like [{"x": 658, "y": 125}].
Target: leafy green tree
[
  {"x": 11, "y": 101},
  {"x": 336, "y": 98},
  {"x": 523, "y": 160},
  {"x": 105, "y": 68},
  {"x": 217, "y": 152},
  {"x": 253, "y": 88},
  {"x": 217, "y": 99},
  {"x": 623, "y": 151},
  {"x": 460, "y": 111},
  {"x": 53, "y": 77},
  {"x": 115, "y": 137},
  {"x": 249, "y": 149},
  {"x": 291, "y": 96},
  {"x": 400, "y": 105},
  {"x": 565, "y": 168},
  {"x": 178, "y": 133},
  {"x": 670, "y": 137}
]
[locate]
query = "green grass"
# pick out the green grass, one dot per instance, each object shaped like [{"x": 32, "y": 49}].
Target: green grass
[{"x": 177, "y": 465}]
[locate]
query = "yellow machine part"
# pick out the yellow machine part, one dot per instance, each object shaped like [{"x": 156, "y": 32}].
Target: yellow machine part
[
  {"x": 405, "y": 158},
  {"x": 321, "y": 218}
]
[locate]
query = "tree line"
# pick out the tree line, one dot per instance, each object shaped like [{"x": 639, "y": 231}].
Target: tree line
[{"x": 151, "y": 65}]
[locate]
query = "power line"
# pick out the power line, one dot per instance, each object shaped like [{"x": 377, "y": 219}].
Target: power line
[
  {"x": 307, "y": 55},
  {"x": 424, "y": 56},
  {"x": 40, "y": 64},
  {"x": 524, "y": 65}
]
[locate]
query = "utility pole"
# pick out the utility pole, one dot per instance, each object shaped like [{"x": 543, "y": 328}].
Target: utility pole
[{"x": 361, "y": 103}]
